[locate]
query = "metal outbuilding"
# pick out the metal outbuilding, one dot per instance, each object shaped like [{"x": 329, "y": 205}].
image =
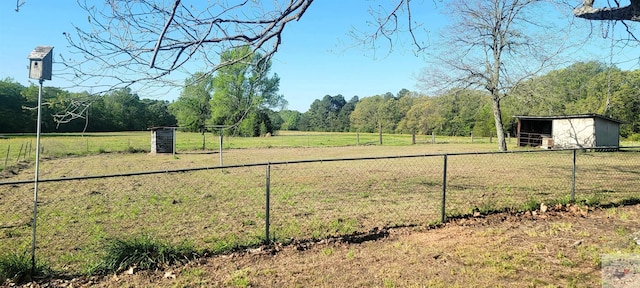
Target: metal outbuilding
[{"x": 568, "y": 131}]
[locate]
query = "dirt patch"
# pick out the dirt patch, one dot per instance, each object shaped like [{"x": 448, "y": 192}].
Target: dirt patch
[
  {"x": 560, "y": 247},
  {"x": 13, "y": 170}
]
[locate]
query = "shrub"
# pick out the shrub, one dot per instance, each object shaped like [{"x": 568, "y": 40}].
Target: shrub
[{"x": 634, "y": 137}]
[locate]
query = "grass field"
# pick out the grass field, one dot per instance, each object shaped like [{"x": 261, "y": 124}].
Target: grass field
[
  {"x": 15, "y": 148},
  {"x": 219, "y": 209}
]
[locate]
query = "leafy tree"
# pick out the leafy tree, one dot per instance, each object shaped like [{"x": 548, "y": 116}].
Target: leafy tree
[
  {"x": 304, "y": 124},
  {"x": 192, "y": 109},
  {"x": 290, "y": 119},
  {"x": 422, "y": 117},
  {"x": 389, "y": 114},
  {"x": 244, "y": 92},
  {"x": 549, "y": 94},
  {"x": 612, "y": 93},
  {"x": 458, "y": 111},
  {"x": 157, "y": 113},
  {"x": 345, "y": 113},
  {"x": 276, "y": 120},
  {"x": 125, "y": 110},
  {"x": 11, "y": 102},
  {"x": 484, "y": 125},
  {"x": 99, "y": 117},
  {"x": 625, "y": 101},
  {"x": 324, "y": 114},
  {"x": 403, "y": 92},
  {"x": 366, "y": 117},
  {"x": 380, "y": 113}
]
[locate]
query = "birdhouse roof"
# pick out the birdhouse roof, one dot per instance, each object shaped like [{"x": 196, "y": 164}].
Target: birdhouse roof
[{"x": 40, "y": 52}]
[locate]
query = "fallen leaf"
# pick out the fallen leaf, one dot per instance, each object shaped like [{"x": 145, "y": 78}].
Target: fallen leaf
[{"x": 169, "y": 275}]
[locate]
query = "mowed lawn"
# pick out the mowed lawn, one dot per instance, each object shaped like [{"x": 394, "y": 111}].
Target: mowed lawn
[{"x": 218, "y": 209}]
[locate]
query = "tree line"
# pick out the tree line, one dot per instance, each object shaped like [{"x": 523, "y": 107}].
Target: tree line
[
  {"x": 120, "y": 110},
  {"x": 582, "y": 88},
  {"x": 249, "y": 106}
]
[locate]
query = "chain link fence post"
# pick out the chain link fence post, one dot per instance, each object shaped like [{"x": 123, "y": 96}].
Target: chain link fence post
[
  {"x": 267, "y": 204},
  {"x": 444, "y": 189},
  {"x": 573, "y": 178}
]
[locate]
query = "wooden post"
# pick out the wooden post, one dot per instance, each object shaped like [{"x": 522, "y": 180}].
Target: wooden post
[
  {"x": 380, "y": 131},
  {"x": 7, "y": 157},
  {"x": 433, "y": 137},
  {"x": 413, "y": 138},
  {"x": 19, "y": 153},
  {"x": 173, "y": 143},
  {"x": 220, "y": 145},
  {"x": 204, "y": 141}
]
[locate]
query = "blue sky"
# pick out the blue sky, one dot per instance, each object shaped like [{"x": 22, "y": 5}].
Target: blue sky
[{"x": 314, "y": 59}]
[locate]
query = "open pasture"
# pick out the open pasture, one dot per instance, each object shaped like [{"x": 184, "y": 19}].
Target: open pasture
[
  {"x": 21, "y": 147},
  {"x": 217, "y": 209}
]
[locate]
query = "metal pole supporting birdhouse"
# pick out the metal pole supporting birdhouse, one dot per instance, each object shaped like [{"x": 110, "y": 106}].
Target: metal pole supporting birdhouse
[{"x": 41, "y": 60}]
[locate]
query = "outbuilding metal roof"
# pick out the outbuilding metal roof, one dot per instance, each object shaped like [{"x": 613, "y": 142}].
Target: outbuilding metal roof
[{"x": 568, "y": 117}]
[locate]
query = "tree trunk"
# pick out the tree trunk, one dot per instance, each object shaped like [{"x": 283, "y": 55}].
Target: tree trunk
[{"x": 502, "y": 143}]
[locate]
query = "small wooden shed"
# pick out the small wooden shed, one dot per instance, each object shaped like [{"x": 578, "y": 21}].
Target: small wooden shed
[
  {"x": 163, "y": 139},
  {"x": 569, "y": 131}
]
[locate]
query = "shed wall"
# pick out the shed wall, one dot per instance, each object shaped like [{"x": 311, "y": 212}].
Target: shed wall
[
  {"x": 574, "y": 133},
  {"x": 607, "y": 133}
]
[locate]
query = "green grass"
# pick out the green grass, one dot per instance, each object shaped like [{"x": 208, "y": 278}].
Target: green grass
[
  {"x": 143, "y": 252},
  {"x": 21, "y": 147},
  {"x": 16, "y": 267}
]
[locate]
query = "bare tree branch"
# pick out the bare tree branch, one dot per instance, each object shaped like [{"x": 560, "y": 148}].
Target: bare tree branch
[
  {"x": 387, "y": 24},
  {"x": 155, "y": 45},
  {"x": 19, "y": 4},
  {"x": 164, "y": 31},
  {"x": 630, "y": 12}
]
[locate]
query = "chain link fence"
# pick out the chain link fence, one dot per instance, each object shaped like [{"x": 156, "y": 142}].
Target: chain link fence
[{"x": 220, "y": 208}]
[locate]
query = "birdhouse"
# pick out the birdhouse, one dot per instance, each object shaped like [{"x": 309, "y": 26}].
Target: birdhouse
[{"x": 41, "y": 63}]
